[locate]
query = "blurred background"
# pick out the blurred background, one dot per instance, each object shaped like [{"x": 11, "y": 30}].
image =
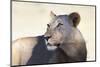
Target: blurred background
[{"x": 31, "y": 19}]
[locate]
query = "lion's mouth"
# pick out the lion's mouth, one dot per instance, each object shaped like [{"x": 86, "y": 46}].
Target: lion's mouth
[
  {"x": 50, "y": 46},
  {"x": 46, "y": 41}
]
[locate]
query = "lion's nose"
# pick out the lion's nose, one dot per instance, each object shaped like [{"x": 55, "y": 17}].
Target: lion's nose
[{"x": 47, "y": 37}]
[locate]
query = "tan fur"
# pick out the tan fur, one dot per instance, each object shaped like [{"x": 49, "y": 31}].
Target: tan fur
[{"x": 22, "y": 50}]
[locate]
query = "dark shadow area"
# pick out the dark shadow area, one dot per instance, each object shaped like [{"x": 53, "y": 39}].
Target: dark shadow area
[{"x": 40, "y": 54}]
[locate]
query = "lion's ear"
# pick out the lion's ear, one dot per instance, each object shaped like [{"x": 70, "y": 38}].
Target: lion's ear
[
  {"x": 52, "y": 15},
  {"x": 75, "y": 18}
]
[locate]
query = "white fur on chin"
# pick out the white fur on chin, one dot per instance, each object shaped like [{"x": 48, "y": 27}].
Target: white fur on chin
[{"x": 50, "y": 47}]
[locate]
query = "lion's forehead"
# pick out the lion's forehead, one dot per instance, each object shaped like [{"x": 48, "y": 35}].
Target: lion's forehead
[{"x": 63, "y": 19}]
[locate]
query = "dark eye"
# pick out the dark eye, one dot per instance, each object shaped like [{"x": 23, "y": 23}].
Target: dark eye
[
  {"x": 48, "y": 25},
  {"x": 59, "y": 24}
]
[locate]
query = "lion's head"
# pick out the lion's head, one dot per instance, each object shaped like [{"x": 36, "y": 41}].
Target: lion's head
[{"x": 61, "y": 27}]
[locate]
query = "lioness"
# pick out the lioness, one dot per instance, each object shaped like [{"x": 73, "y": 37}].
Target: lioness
[{"x": 62, "y": 42}]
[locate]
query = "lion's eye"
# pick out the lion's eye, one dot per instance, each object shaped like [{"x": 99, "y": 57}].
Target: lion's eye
[
  {"x": 59, "y": 24},
  {"x": 48, "y": 25}
]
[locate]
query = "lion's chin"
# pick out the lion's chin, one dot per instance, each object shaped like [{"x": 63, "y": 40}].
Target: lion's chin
[{"x": 49, "y": 47}]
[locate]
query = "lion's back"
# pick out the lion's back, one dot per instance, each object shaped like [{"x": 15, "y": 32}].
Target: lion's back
[{"x": 23, "y": 47}]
